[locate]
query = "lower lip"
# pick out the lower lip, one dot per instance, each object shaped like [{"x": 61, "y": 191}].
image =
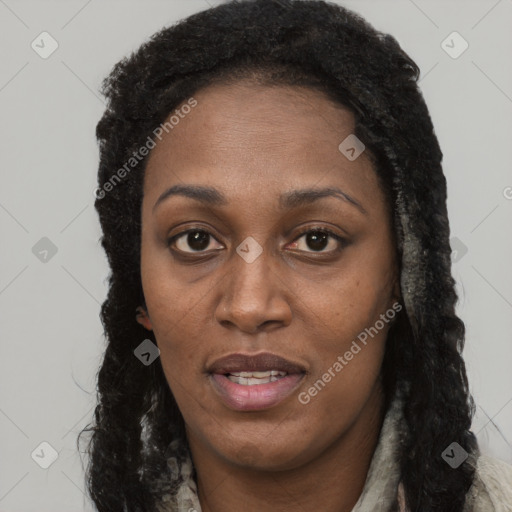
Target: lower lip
[{"x": 257, "y": 396}]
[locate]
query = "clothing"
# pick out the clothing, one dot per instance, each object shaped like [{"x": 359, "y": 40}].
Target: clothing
[{"x": 491, "y": 490}]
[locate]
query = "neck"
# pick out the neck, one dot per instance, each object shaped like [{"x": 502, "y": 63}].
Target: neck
[{"x": 332, "y": 482}]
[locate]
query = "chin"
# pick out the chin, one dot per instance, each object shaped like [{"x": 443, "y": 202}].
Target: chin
[{"x": 266, "y": 456}]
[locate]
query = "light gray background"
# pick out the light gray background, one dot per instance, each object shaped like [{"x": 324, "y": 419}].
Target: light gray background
[{"x": 51, "y": 333}]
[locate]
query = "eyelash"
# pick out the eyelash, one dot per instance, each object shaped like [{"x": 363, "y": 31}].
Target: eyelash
[{"x": 342, "y": 241}]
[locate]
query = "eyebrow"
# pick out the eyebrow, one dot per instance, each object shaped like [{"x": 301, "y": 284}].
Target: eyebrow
[{"x": 292, "y": 199}]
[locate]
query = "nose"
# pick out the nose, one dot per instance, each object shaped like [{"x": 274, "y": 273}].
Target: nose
[{"x": 254, "y": 296}]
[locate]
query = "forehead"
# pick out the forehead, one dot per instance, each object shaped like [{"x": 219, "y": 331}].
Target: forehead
[{"x": 256, "y": 137}]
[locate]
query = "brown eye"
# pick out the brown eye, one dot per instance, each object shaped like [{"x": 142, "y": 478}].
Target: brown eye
[
  {"x": 195, "y": 239},
  {"x": 318, "y": 239}
]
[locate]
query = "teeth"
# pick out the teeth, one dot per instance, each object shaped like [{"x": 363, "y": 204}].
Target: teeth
[
  {"x": 254, "y": 378},
  {"x": 258, "y": 375}
]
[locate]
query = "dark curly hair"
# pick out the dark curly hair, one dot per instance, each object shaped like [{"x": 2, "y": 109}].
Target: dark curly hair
[{"x": 324, "y": 46}]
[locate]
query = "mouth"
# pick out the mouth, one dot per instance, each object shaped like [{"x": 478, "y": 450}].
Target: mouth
[
  {"x": 254, "y": 382},
  {"x": 255, "y": 378}
]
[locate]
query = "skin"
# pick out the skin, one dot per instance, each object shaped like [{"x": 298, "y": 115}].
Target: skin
[{"x": 303, "y": 302}]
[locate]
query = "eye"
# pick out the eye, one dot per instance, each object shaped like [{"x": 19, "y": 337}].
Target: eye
[
  {"x": 318, "y": 239},
  {"x": 196, "y": 239}
]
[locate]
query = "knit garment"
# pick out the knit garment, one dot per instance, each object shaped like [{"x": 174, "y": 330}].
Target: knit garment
[{"x": 382, "y": 492}]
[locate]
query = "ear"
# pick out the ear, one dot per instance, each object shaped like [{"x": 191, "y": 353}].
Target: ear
[
  {"x": 397, "y": 293},
  {"x": 143, "y": 318}
]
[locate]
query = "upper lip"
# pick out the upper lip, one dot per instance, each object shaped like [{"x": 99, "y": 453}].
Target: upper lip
[{"x": 256, "y": 362}]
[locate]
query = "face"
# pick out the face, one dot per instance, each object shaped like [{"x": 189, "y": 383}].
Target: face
[{"x": 256, "y": 266}]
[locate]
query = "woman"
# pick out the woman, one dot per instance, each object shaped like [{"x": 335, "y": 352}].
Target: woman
[{"x": 273, "y": 209}]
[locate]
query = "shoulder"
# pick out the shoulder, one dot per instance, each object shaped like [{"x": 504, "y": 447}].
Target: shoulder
[{"x": 492, "y": 487}]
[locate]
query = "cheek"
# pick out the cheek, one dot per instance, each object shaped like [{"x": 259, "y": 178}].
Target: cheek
[
  {"x": 341, "y": 308},
  {"x": 345, "y": 370},
  {"x": 349, "y": 333},
  {"x": 348, "y": 354},
  {"x": 169, "y": 297},
  {"x": 180, "y": 343},
  {"x": 173, "y": 292},
  {"x": 176, "y": 319}
]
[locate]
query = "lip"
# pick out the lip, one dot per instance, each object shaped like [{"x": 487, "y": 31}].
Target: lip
[{"x": 258, "y": 396}]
